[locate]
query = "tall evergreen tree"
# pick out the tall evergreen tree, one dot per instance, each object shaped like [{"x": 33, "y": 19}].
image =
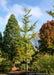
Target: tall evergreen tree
[
  {"x": 27, "y": 51},
  {"x": 11, "y": 38}
]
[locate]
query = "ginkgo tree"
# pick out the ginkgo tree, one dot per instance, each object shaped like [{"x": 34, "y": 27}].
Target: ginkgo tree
[{"x": 26, "y": 51}]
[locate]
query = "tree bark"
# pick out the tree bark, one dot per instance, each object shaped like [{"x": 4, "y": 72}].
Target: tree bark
[
  {"x": 13, "y": 64},
  {"x": 26, "y": 64}
]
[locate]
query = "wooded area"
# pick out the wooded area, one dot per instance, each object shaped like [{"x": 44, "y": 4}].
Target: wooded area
[{"x": 17, "y": 50}]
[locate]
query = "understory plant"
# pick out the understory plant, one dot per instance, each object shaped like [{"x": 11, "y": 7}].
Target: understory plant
[{"x": 46, "y": 64}]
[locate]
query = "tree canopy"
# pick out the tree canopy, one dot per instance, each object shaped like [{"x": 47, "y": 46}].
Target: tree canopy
[
  {"x": 11, "y": 38},
  {"x": 47, "y": 37}
]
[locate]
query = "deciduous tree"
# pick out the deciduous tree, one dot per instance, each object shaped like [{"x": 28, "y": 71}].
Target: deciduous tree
[
  {"x": 27, "y": 50},
  {"x": 47, "y": 37}
]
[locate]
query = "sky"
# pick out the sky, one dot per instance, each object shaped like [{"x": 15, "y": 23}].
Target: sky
[{"x": 16, "y": 7}]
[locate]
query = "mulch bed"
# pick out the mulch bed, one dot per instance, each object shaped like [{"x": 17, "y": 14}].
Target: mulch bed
[
  {"x": 17, "y": 73},
  {"x": 13, "y": 73}
]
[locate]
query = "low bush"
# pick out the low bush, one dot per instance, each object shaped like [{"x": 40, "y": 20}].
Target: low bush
[
  {"x": 6, "y": 65},
  {"x": 33, "y": 67},
  {"x": 22, "y": 67},
  {"x": 46, "y": 64}
]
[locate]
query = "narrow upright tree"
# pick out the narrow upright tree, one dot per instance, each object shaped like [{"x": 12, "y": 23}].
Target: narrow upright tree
[
  {"x": 27, "y": 51},
  {"x": 11, "y": 38}
]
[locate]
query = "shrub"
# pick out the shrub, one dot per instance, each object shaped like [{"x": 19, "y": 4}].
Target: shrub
[
  {"x": 22, "y": 67},
  {"x": 6, "y": 65},
  {"x": 33, "y": 67},
  {"x": 46, "y": 63}
]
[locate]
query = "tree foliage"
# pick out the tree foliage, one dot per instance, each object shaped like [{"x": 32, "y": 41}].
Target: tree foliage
[
  {"x": 25, "y": 53},
  {"x": 51, "y": 12},
  {"x": 47, "y": 37},
  {"x": 0, "y": 40},
  {"x": 16, "y": 46},
  {"x": 11, "y": 38},
  {"x": 45, "y": 64}
]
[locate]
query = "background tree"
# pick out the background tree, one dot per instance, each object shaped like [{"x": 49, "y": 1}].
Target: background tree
[
  {"x": 11, "y": 38},
  {"x": 46, "y": 35},
  {"x": 0, "y": 48},
  {"x": 27, "y": 51},
  {"x": 51, "y": 12},
  {"x": 46, "y": 42},
  {"x": 0, "y": 40}
]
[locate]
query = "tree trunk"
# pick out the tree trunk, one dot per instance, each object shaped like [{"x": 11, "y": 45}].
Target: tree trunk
[
  {"x": 46, "y": 71},
  {"x": 26, "y": 64},
  {"x": 13, "y": 64}
]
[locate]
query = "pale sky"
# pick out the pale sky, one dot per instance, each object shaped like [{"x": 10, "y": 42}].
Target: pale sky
[{"x": 16, "y": 7}]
